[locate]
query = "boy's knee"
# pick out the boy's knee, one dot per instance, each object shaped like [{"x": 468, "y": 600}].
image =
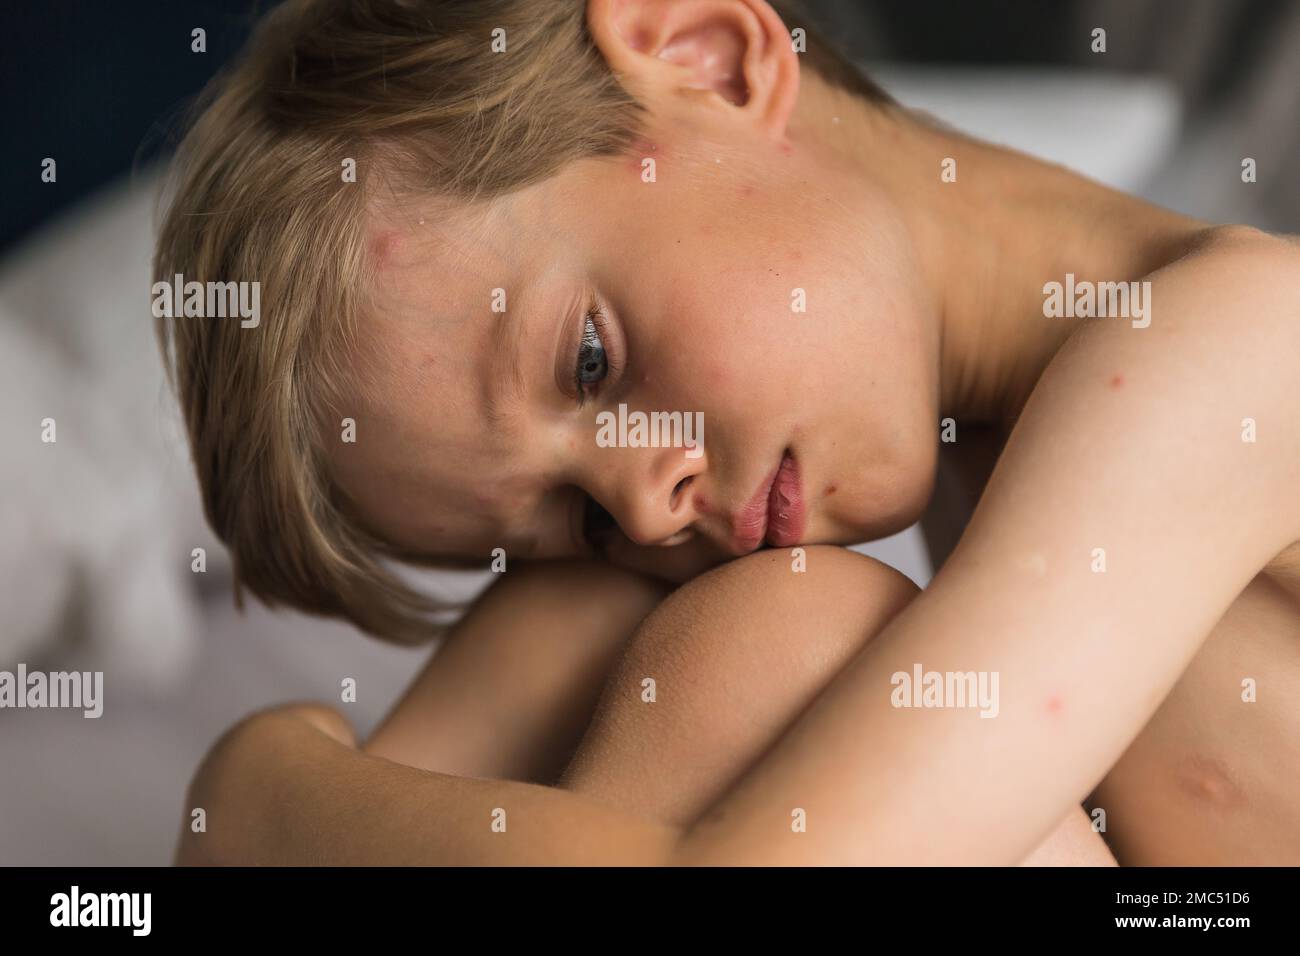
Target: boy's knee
[
  {"x": 818, "y": 595},
  {"x": 814, "y": 579},
  {"x": 578, "y": 582}
]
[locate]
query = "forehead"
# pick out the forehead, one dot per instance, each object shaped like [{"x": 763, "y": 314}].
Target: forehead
[
  {"x": 427, "y": 470},
  {"x": 423, "y": 467}
]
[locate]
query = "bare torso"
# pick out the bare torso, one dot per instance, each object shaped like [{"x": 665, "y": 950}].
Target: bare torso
[{"x": 1214, "y": 778}]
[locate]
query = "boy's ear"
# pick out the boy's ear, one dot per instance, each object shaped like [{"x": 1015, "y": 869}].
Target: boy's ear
[{"x": 730, "y": 54}]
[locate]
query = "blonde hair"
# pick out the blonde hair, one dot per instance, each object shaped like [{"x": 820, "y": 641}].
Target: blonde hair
[{"x": 410, "y": 88}]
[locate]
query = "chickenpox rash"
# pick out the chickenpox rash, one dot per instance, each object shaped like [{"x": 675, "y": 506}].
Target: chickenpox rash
[
  {"x": 641, "y": 150},
  {"x": 1209, "y": 781},
  {"x": 383, "y": 247}
]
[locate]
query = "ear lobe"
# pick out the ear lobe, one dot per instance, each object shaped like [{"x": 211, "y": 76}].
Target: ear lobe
[{"x": 737, "y": 49}]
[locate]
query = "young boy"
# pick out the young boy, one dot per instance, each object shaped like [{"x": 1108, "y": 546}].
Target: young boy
[{"x": 481, "y": 230}]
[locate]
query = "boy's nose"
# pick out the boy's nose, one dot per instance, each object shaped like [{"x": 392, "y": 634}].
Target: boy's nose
[{"x": 648, "y": 491}]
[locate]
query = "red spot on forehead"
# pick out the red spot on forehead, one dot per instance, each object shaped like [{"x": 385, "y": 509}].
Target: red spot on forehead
[{"x": 383, "y": 247}]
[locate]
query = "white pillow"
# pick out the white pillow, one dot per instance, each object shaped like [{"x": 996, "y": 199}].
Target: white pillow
[{"x": 98, "y": 525}]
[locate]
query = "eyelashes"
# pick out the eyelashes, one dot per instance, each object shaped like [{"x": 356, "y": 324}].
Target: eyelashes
[{"x": 594, "y": 362}]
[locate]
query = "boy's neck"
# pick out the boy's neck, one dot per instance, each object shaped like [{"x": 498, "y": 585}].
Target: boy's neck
[{"x": 988, "y": 241}]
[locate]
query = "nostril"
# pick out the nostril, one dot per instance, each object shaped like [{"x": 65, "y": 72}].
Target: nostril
[{"x": 677, "y": 491}]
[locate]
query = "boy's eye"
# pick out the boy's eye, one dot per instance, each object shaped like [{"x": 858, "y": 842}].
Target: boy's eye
[{"x": 593, "y": 365}]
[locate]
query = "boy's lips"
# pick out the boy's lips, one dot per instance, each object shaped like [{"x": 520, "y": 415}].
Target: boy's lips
[
  {"x": 785, "y": 510},
  {"x": 775, "y": 513}
]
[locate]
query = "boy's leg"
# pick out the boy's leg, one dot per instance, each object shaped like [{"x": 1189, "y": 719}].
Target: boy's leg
[
  {"x": 510, "y": 690},
  {"x": 721, "y": 668}
]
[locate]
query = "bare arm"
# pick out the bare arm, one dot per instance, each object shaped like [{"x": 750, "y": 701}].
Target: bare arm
[
  {"x": 507, "y": 695},
  {"x": 285, "y": 788}
]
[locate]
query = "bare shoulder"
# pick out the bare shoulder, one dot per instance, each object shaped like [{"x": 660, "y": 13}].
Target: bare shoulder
[
  {"x": 1201, "y": 394},
  {"x": 1228, "y": 310},
  {"x": 1242, "y": 268}
]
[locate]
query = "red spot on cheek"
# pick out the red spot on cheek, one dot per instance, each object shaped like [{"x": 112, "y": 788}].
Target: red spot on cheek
[
  {"x": 786, "y": 147},
  {"x": 1054, "y": 705},
  {"x": 830, "y": 490},
  {"x": 1117, "y": 381},
  {"x": 701, "y": 504},
  {"x": 746, "y": 190}
]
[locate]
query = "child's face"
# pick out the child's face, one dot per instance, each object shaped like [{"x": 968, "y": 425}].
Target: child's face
[{"x": 696, "y": 276}]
